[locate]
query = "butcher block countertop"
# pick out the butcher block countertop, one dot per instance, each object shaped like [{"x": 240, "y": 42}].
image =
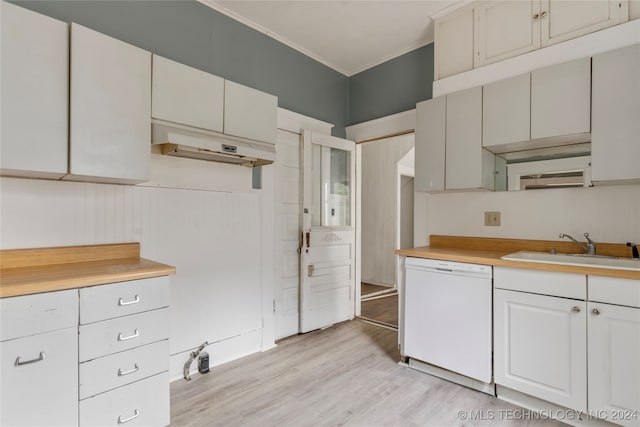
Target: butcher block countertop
[
  {"x": 488, "y": 251},
  {"x": 32, "y": 271}
]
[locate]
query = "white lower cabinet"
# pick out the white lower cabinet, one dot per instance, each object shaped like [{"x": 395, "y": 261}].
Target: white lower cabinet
[
  {"x": 540, "y": 346},
  {"x": 39, "y": 381},
  {"x": 614, "y": 363},
  {"x": 144, "y": 403}
]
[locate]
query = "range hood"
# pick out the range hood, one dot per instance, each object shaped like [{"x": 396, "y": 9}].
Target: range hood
[{"x": 193, "y": 143}]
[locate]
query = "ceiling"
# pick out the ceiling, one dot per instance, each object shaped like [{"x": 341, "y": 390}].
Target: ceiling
[{"x": 348, "y": 36}]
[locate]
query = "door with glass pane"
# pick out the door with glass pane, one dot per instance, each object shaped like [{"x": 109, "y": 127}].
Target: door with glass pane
[{"x": 327, "y": 249}]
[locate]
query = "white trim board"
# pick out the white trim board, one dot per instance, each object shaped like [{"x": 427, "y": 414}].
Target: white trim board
[
  {"x": 295, "y": 122},
  {"x": 384, "y": 126},
  {"x": 591, "y": 44}
]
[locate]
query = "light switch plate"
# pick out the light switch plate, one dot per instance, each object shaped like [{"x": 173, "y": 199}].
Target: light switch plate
[{"x": 492, "y": 219}]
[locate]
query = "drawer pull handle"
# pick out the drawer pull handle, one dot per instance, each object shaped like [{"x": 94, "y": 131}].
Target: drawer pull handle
[
  {"x": 122, "y": 373},
  {"x": 135, "y": 415},
  {"x": 135, "y": 334},
  {"x": 40, "y": 358},
  {"x": 122, "y": 302}
]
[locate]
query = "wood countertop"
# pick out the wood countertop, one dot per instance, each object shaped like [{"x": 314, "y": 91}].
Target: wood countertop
[
  {"x": 31, "y": 271},
  {"x": 488, "y": 251}
]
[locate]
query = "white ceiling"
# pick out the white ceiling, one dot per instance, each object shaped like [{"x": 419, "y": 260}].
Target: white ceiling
[{"x": 348, "y": 36}]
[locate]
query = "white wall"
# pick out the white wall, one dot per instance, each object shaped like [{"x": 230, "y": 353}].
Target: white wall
[
  {"x": 608, "y": 214},
  {"x": 378, "y": 193},
  {"x": 214, "y": 238}
]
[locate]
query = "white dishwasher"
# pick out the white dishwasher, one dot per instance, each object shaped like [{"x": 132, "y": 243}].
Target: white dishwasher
[{"x": 448, "y": 316}]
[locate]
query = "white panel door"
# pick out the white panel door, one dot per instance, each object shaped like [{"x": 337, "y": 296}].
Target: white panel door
[
  {"x": 506, "y": 29},
  {"x": 566, "y": 19},
  {"x": 540, "y": 346},
  {"x": 34, "y": 57},
  {"x": 327, "y": 253},
  {"x": 188, "y": 96},
  {"x": 110, "y": 109},
  {"x": 614, "y": 362}
]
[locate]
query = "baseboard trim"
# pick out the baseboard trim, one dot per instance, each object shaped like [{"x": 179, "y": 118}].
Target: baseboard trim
[{"x": 453, "y": 377}]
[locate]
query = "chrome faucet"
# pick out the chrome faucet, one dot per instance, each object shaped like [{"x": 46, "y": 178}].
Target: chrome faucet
[{"x": 590, "y": 248}]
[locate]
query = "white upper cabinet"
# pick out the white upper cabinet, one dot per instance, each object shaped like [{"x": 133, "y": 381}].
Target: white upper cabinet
[
  {"x": 565, "y": 19},
  {"x": 503, "y": 29},
  {"x": 250, "y": 113},
  {"x": 467, "y": 164},
  {"x": 615, "y": 145},
  {"x": 34, "y": 57},
  {"x": 561, "y": 99},
  {"x": 430, "y": 145},
  {"x": 453, "y": 43},
  {"x": 188, "y": 96},
  {"x": 506, "y": 29},
  {"x": 506, "y": 111},
  {"x": 110, "y": 109}
]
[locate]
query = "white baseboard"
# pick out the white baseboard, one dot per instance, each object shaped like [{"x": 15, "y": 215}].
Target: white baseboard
[
  {"x": 548, "y": 410},
  {"x": 453, "y": 377},
  {"x": 219, "y": 352}
]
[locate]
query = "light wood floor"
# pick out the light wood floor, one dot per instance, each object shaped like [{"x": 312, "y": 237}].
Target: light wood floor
[
  {"x": 344, "y": 375},
  {"x": 382, "y": 309}
]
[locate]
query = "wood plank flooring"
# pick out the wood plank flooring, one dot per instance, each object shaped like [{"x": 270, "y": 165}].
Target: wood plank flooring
[
  {"x": 344, "y": 375},
  {"x": 367, "y": 289},
  {"x": 381, "y": 309}
]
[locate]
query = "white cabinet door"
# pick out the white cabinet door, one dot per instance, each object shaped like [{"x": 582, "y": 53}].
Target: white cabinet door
[
  {"x": 188, "y": 96},
  {"x": 506, "y": 29},
  {"x": 634, "y": 9},
  {"x": 430, "y": 144},
  {"x": 467, "y": 164},
  {"x": 561, "y": 99},
  {"x": 43, "y": 389},
  {"x": 250, "y": 113},
  {"x": 566, "y": 19},
  {"x": 614, "y": 362},
  {"x": 34, "y": 58},
  {"x": 540, "y": 347},
  {"x": 110, "y": 109},
  {"x": 506, "y": 112},
  {"x": 453, "y": 41},
  {"x": 615, "y": 146}
]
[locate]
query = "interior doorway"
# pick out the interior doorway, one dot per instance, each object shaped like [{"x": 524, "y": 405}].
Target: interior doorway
[{"x": 386, "y": 215}]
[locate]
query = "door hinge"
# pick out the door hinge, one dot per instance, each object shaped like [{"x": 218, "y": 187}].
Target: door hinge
[{"x": 310, "y": 269}]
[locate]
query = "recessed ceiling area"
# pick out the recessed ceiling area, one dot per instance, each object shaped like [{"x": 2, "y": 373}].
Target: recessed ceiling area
[{"x": 348, "y": 36}]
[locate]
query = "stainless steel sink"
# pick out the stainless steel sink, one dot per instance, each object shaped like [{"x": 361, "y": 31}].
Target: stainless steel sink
[{"x": 595, "y": 261}]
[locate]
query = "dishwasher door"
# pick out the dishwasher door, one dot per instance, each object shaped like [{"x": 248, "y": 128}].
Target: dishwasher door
[{"x": 448, "y": 320}]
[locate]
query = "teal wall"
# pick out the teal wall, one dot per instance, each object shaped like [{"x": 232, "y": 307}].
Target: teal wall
[
  {"x": 394, "y": 86},
  {"x": 196, "y": 35}
]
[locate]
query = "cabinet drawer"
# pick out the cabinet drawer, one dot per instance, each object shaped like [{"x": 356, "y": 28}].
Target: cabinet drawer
[
  {"x": 45, "y": 391},
  {"x": 146, "y": 400},
  {"x": 565, "y": 285},
  {"x": 614, "y": 291},
  {"x": 121, "y": 299},
  {"x": 33, "y": 314},
  {"x": 109, "y": 372},
  {"x": 125, "y": 333}
]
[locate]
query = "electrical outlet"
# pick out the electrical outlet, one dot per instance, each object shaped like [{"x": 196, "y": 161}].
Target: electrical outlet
[{"x": 492, "y": 219}]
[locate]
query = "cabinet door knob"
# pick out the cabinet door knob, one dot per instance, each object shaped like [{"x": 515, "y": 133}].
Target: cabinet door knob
[
  {"x": 543, "y": 14},
  {"x": 595, "y": 311},
  {"x": 536, "y": 16},
  {"x": 575, "y": 309}
]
